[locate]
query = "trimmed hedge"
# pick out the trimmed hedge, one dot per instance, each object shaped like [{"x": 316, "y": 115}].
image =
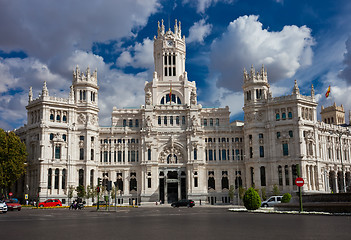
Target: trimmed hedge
[
  {"x": 286, "y": 198},
  {"x": 252, "y": 200}
]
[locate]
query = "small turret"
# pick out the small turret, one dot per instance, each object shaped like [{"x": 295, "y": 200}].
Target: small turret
[
  {"x": 30, "y": 95},
  {"x": 255, "y": 77},
  {"x": 296, "y": 89},
  {"x": 45, "y": 91}
]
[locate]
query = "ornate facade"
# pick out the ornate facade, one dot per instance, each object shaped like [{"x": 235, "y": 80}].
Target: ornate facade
[{"x": 173, "y": 148}]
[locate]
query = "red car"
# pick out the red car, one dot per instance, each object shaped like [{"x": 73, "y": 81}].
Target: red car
[
  {"x": 50, "y": 203},
  {"x": 13, "y": 204}
]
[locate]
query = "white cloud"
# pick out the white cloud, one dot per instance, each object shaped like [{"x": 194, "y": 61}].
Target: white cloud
[
  {"x": 50, "y": 28},
  {"x": 245, "y": 43},
  {"x": 202, "y": 5},
  {"x": 346, "y": 72},
  {"x": 199, "y": 31},
  {"x": 138, "y": 56}
]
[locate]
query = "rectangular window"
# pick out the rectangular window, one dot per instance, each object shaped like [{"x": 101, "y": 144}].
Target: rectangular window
[
  {"x": 263, "y": 176},
  {"x": 205, "y": 122},
  {"x": 283, "y": 116},
  {"x": 280, "y": 176},
  {"x": 81, "y": 154},
  {"x": 149, "y": 182},
  {"x": 119, "y": 154},
  {"x": 260, "y": 136},
  {"x": 91, "y": 154},
  {"x": 210, "y": 154},
  {"x": 57, "y": 152},
  {"x": 177, "y": 120},
  {"x": 261, "y": 151},
  {"x": 105, "y": 156},
  {"x": 278, "y": 135},
  {"x": 285, "y": 149},
  {"x": 251, "y": 152},
  {"x": 214, "y": 155},
  {"x": 195, "y": 154},
  {"x": 132, "y": 156},
  {"x": 149, "y": 154},
  {"x": 291, "y": 133},
  {"x": 183, "y": 120},
  {"x": 290, "y": 115},
  {"x": 224, "y": 155},
  {"x": 196, "y": 182},
  {"x": 277, "y": 117}
]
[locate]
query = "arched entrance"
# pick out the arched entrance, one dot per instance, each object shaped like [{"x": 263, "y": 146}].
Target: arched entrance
[{"x": 172, "y": 185}]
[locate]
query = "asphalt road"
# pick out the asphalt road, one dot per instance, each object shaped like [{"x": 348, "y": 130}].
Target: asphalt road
[{"x": 167, "y": 223}]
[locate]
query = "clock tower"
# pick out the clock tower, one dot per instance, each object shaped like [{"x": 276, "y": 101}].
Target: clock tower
[{"x": 169, "y": 53}]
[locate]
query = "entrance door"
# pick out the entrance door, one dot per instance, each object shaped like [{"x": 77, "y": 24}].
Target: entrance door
[{"x": 172, "y": 192}]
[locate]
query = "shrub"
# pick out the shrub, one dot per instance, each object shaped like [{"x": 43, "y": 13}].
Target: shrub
[
  {"x": 252, "y": 200},
  {"x": 286, "y": 198}
]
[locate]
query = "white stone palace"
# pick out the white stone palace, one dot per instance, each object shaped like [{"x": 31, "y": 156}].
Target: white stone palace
[{"x": 173, "y": 148}]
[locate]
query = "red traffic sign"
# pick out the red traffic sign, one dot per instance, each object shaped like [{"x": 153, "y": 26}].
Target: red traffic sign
[
  {"x": 299, "y": 182},
  {"x": 10, "y": 194}
]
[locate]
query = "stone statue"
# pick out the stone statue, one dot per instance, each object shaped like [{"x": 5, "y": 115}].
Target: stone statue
[
  {"x": 148, "y": 99},
  {"x": 193, "y": 97}
]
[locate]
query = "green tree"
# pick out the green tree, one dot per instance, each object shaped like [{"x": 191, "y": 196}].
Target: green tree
[
  {"x": 252, "y": 200},
  {"x": 12, "y": 159},
  {"x": 231, "y": 193},
  {"x": 286, "y": 198},
  {"x": 263, "y": 194},
  {"x": 81, "y": 191},
  {"x": 70, "y": 193},
  {"x": 276, "y": 191},
  {"x": 241, "y": 192}
]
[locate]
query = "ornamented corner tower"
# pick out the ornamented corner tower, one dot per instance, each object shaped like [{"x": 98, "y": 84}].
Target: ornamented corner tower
[{"x": 84, "y": 94}]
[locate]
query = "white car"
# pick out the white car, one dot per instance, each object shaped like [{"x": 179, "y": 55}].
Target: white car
[
  {"x": 3, "y": 207},
  {"x": 270, "y": 202}
]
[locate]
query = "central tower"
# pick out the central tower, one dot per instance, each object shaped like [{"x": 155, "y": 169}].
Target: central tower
[
  {"x": 169, "y": 53},
  {"x": 170, "y": 85}
]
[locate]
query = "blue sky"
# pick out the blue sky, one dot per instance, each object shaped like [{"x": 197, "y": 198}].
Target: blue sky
[{"x": 44, "y": 40}]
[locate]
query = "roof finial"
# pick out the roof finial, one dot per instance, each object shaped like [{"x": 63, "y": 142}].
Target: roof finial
[
  {"x": 30, "y": 95},
  {"x": 45, "y": 91}
]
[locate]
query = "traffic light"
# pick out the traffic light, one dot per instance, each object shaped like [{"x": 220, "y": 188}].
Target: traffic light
[{"x": 99, "y": 181}]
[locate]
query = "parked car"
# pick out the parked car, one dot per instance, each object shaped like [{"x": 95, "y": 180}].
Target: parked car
[
  {"x": 13, "y": 204},
  {"x": 50, "y": 203},
  {"x": 183, "y": 203},
  {"x": 270, "y": 202},
  {"x": 3, "y": 207},
  {"x": 100, "y": 203}
]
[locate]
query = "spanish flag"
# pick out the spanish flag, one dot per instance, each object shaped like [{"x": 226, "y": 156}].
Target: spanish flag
[{"x": 328, "y": 92}]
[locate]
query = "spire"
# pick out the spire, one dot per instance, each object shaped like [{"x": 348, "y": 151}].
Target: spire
[
  {"x": 45, "y": 91},
  {"x": 180, "y": 30},
  {"x": 30, "y": 95},
  {"x": 312, "y": 91},
  {"x": 296, "y": 89},
  {"x": 175, "y": 27},
  {"x": 162, "y": 28}
]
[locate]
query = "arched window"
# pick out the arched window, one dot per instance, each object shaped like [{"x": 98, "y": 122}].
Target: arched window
[
  {"x": 159, "y": 120},
  {"x": 124, "y": 122},
  {"x": 165, "y": 120},
  {"x": 51, "y": 117},
  {"x": 64, "y": 179},
  {"x": 49, "y": 178},
  {"x": 130, "y": 123},
  {"x": 136, "y": 122},
  {"x": 263, "y": 176},
  {"x": 56, "y": 184},
  {"x": 177, "y": 120},
  {"x": 58, "y": 117},
  {"x": 81, "y": 177},
  {"x": 91, "y": 177},
  {"x": 171, "y": 120},
  {"x": 51, "y": 136},
  {"x": 211, "y": 181},
  {"x": 64, "y": 118}
]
